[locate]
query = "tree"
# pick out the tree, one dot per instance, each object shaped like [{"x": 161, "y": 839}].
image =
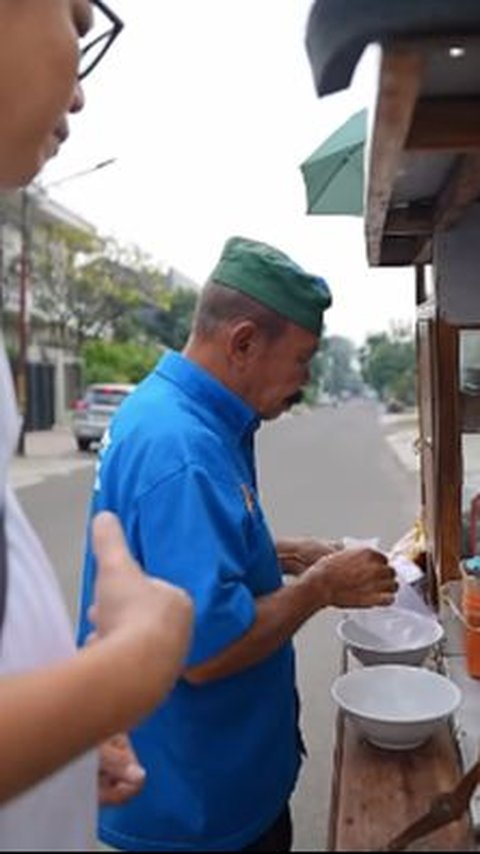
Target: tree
[
  {"x": 171, "y": 323},
  {"x": 89, "y": 287},
  {"x": 118, "y": 362},
  {"x": 340, "y": 371},
  {"x": 76, "y": 289},
  {"x": 388, "y": 364}
]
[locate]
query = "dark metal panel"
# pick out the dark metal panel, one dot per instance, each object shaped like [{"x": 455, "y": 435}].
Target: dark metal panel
[{"x": 40, "y": 396}]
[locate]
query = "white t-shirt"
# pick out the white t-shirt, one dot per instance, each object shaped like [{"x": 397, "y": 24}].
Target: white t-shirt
[{"x": 59, "y": 814}]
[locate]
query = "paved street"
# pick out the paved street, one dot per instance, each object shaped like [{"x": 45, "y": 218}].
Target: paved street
[{"x": 330, "y": 472}]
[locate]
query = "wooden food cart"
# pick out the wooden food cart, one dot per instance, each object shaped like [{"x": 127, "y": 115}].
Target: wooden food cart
[{"x": 422, "y": 209}]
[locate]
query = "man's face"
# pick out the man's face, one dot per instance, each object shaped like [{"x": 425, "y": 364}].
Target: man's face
[
  {"x": 39, "y": 52},
  {"x": 281, "y": 370}
]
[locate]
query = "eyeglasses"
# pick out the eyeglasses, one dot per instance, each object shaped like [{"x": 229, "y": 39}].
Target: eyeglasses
[{"x": 95, "y": 50}]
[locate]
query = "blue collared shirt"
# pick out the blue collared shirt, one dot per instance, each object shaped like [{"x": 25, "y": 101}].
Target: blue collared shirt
[{"x": 222, "y": 758}]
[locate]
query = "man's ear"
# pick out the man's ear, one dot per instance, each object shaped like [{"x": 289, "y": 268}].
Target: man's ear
[{"x": 243, "y": 342}]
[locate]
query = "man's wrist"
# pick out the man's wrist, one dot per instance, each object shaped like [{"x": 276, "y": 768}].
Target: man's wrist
[{"x": 314, "y": 581}]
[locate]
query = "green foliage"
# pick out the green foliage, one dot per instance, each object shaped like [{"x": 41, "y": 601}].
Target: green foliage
[
  {"x": 89, "y": 287},
  {"x": 333, "y": 369},
  {"x": 310, "y": 391},
  {"x": 388, "y": 364},
  {"x": 76, "y": 287},
  {"x": 339, "y": 366},
  {"x": 117, "y": 362},
  {"x": 171, "y": 324}
]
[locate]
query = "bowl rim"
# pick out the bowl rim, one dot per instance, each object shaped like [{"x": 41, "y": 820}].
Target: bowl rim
[
  {"x": 439, "y": 631},
  {"x": 396, "y": 719}
]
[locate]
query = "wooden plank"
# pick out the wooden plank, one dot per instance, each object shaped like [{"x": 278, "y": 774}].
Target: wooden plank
[
  {"x": 381, "y": 792},
  {"x": 401, "y": 75},
  {"x": 336, "y": 783},
  {"x": 445, "y": 124},
  {"x": 400, "y": 250},
  {"x": 407, "y": 236},
  {"x": 460, "y": 191},
  {"x": 412, "y": 220},
  {"x": 426, "y": 385},
  {"x": 447, "y": 452},
  {"x": 424, "y": 251}
]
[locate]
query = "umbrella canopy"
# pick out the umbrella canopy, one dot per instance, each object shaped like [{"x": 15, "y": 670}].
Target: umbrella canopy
[{"x": 333, "y": 174}]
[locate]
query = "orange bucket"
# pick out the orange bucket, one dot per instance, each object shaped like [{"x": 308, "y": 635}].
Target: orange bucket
[{"x": 471, "y": 614}]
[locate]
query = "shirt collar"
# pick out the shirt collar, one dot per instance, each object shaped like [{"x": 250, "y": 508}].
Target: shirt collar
[{"x": 224, "y": 405}]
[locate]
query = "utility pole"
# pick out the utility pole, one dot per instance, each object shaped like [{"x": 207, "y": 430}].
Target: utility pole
[
  {"x": 81, "y": 174},
  {"x": 23, "y": 320}
]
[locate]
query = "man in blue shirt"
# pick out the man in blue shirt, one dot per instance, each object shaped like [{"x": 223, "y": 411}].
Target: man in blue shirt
[{"x": 223, "y": 753}]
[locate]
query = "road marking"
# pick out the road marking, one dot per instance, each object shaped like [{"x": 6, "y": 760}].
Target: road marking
[
  {"x": 28, "y": 472},
  {"x": 402, "y": 444}
]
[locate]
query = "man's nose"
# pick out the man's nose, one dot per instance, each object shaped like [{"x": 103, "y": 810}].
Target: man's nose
[{"x": 78, "y": 100}]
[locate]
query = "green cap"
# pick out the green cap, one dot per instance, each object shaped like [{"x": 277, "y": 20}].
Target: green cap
[{"x": 272, "y": 278}]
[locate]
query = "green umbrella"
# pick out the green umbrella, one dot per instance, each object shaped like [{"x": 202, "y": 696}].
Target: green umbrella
[{"x": 333, "y": 174}]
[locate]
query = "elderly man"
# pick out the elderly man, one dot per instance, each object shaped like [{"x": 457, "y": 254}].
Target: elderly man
[
  {"x": 56, "y": 703},
  {"x": 223, "y": 754}
]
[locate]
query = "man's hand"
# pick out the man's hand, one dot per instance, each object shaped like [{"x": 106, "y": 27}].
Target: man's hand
[
  {"x": 297, "y": 554},
  {"x": 352, "y": 578},
  {"x": 120, "y": 776}
]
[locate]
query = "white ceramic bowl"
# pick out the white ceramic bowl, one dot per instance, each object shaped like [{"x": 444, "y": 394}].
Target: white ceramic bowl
[
  {"x": 394, "y": 706},
  {"x": 389, "y": 635}
]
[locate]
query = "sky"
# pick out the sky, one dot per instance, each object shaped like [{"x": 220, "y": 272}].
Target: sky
[{"x": 209, "y": 108}]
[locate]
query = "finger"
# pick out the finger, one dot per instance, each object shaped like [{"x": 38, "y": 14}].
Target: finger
[
  {"x": 367, "y": 553},
  {"x": 123, "y": 770},
  {"x": 108, "y": 541},
  {"x": 383, "y": 573},
  {"x": 386, "y": 585},
  {"x": 378, "y": 600},
  {"x": 117, "y": 793}
]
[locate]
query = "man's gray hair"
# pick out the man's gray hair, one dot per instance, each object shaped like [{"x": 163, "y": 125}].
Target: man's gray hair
[{"x": 219, "y": 304}]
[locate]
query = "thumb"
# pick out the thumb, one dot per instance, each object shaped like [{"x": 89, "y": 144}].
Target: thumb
[{"x": 108, "y": 541}]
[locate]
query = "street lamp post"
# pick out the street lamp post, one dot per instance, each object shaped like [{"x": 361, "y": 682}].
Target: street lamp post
[
  {"x": 24, "y": 290},
  {"x": 68, "y": 178}
]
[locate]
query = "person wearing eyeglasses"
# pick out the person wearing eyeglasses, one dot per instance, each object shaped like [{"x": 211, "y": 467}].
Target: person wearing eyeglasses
[{"x": 56, "y": 704}]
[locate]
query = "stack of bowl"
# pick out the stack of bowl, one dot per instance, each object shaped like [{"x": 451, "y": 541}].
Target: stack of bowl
[{"x": 392, "y": 701}]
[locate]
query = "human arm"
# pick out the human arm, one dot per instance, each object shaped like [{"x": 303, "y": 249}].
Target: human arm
[
  {"x": 51, "y": 715},
  {"x": 353, "y": 578},
  {"x": 296, "y": 554}
]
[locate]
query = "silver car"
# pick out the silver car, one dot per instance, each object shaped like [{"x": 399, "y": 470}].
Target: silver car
[{"x": 93, "y": 412}]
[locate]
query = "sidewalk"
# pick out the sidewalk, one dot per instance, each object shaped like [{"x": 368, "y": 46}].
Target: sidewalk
[
  {"x": 401, "y": 432},
  {"x": 47, "y": 452},
  {"x": 54, "y": 452}
]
